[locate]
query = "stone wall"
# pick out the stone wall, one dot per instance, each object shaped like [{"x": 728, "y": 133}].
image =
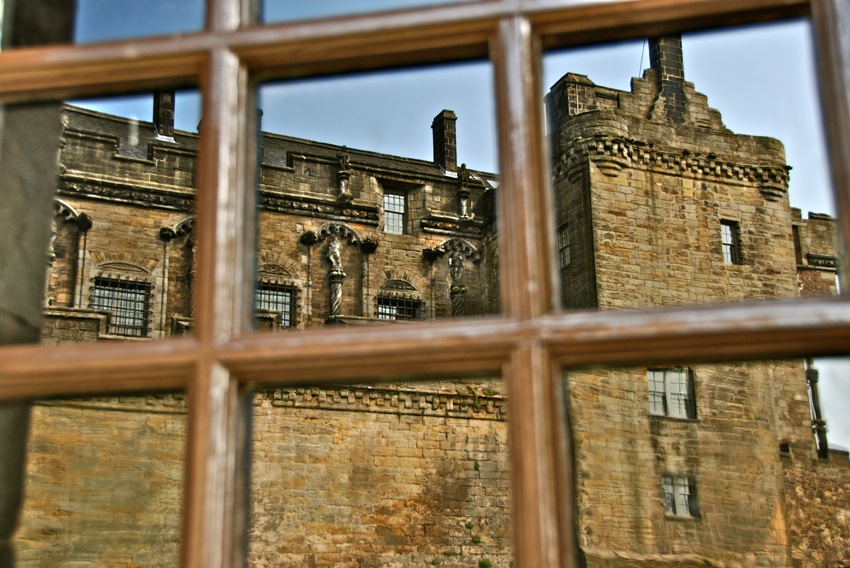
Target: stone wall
[
  {"x": 730, "y": 449},
  {"x": 818, "y": 498},
  {"x": 104, "y": 483},
  {"x": 349, "y": 476}
]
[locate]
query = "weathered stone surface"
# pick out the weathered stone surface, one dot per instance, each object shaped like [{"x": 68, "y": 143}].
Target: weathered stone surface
[{"x": 417, "y": 474}]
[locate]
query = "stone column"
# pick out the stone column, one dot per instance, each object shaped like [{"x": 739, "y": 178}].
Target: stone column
[
  {"x": 457, "y": 292},
  {"x": 336, "y": 277}
]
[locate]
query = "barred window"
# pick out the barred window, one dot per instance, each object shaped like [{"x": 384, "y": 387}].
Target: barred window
[
  {"x": 729, "y": 242},
  {"x": 671, "y": 393},
  {"x": 127, "y": 302},
  {"x": 276, "y": 298},
  {"x": 395, "y": 205},
  {"x": 391, "y": 308},
  {"x": 680, "y": 496}
]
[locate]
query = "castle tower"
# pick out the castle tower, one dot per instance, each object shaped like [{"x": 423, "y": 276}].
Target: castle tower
[{"x": 657, "y": 203}]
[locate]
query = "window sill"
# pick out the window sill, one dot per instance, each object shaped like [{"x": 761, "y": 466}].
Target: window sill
[{"x": 673, "y": 418}]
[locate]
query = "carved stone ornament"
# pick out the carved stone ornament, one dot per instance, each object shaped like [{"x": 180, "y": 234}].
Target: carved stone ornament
[
  {"x": 309, "y": 238},
  {"x": 341, "y": 230},
  {"x": 462, "y": 247},
  {"x": 184, "y": 227},
  {"x": 430, "y": 254},
  {"x": 369, "y": 245}
]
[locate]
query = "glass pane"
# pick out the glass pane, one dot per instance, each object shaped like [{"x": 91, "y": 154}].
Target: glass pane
[
  {"x": 121, "y": 257},
  {"x": 276, "y": 11},
  {"x": 410, "y": 474},
  {"x": 753, "y": 472},
  {"x": 366, "y": 216},
  {"x": 38, "y": 22},
  {"x": 103, "y": 482},
  {"x": 676, "y": 186}
]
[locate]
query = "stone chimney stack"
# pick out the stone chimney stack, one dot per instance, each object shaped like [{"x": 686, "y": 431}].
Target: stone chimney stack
[
  {"x": 665, "y": 58},
  {"x": 445, "y": 140},
  {"x": 163, "y": 114}
]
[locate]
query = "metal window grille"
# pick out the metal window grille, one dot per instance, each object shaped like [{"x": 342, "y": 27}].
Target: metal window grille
[
  {"x": 276, "y": 297},
  {"x": 564, "y": 246},
  {"x": 394, "y": 209},
  {"x": 127, "y": 303},
  {"x": 671, "y": 393},
  {"x": 679, "y": 496},
  {"x": 398, "y": 308},
  {"x": 729, "y": 241}
]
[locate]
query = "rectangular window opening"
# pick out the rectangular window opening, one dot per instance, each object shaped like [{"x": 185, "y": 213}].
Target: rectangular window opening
[
  {"x": 564, "y": 246},
  {"x": 275, "y": 299},
  {"x": 398, "y": 308},
  {"x": 671, "y": 393},
  {"x": 680, "y": 496},
  {"x": 395, "y": 208},
  {"x": 729, "y": 241},
  {"x": 127, "y": 303}
]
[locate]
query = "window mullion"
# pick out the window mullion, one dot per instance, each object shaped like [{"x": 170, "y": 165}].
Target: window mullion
[
  {"x": 214, "y": 514},
  {"x": 541, "y": 484},
  {"x": 831, "y": 24}
]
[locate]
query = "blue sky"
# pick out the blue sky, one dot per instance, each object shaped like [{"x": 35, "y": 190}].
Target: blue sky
[{"x": 760, "y": 79}]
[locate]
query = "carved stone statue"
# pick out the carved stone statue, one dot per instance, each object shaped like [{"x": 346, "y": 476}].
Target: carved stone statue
[
  {"x": 344, "y": 160},
  {"x": 463, "y": 193},
  {"x": 456, "y": 266},
  {"x": 333, "y": 253},
  {"x": 344, "y": 175}
]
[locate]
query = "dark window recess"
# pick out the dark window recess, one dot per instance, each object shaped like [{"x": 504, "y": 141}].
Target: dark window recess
[
  {"x": 680, "y": 496},
  {"x": 127, "y": 302},
  {"x": 396, "y": 308},
  {"x": 277, "y": 298},
  {"x": 798, "y": 246},
  {"x": 671, "y": 393},
  {"x": 730, "y": 242}
]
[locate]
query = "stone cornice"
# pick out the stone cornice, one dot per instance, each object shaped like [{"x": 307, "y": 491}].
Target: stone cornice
[
  {"x": 343, "y": 399},
  {"x": 612, "y": 154},
  {"x": 454, "y": 226},
  {"x": 320, "y": 208},
  {"x": 106, "y": 190},
  {"x": 390, "y": 401}
]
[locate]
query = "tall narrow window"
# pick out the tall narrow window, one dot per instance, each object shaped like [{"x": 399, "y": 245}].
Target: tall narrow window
[
  {"x": 798, "y": 245},
  {"x": 671, "y": 393},
  {"x": 680, "y": 496},
  {"x": 564, "y": 246},
  {"x": 395, "y": 205},
  {"x": 127, "y": 303},
  {"x": 278, "y": 300},
  {"x": 729, "y": 242}
]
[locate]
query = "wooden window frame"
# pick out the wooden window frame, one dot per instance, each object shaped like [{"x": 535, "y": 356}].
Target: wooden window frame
[
  {"x": 730, "y": 241},
  {"x": 529, "y": 343},
  {"x": 667, "y": 394},
  {"x": 390, "y": 202}
]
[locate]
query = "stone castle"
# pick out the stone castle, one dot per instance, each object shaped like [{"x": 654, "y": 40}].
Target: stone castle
[{"x": 657, "y": 203}]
